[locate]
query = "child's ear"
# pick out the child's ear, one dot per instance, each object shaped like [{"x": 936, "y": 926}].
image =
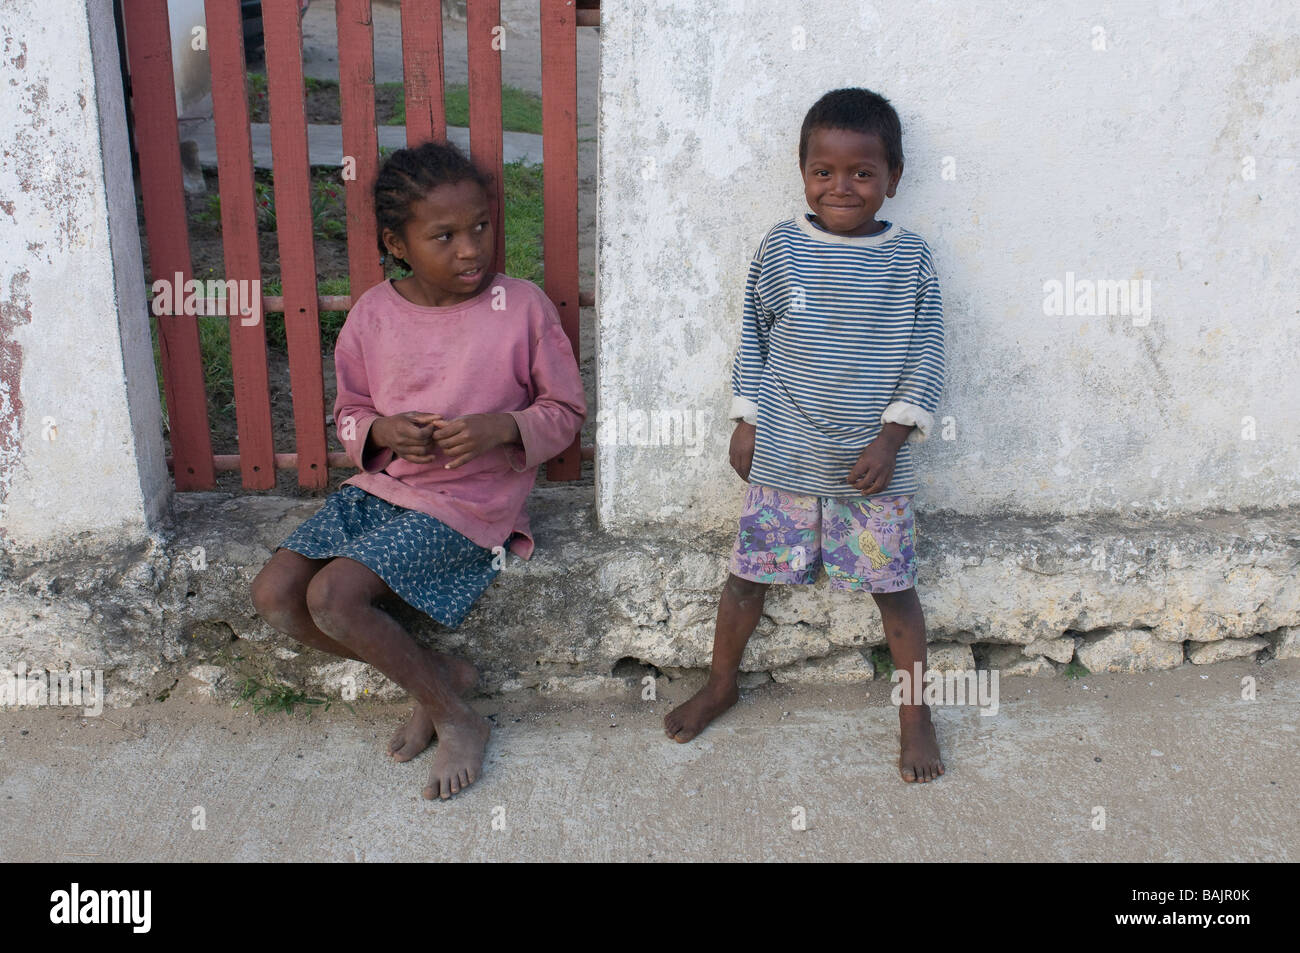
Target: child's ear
[
  {"x": 393, "y": 242},
  {"x": 894, "y": 176}
]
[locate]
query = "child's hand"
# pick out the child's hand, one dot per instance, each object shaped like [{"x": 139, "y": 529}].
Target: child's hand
[
  {"x": 409, "y": 435},
  {"x": 467, "y": 437},
  {"x": 742, "y": 448},
  {"x": 875, "y": 467}
]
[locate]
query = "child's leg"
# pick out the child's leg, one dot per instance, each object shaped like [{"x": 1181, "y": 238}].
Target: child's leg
[
  {"x": 341, "y": 598},
  {"x": 280, "y": 596},
  {"x": 904, "y": 622},
  {"x": 739, "y": 610}
]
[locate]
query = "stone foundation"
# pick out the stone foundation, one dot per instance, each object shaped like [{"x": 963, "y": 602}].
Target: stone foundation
[{"x": 593, "y": 612}]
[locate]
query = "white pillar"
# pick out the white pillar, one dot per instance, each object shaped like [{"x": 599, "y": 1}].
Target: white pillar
[{"x": 80, "y": 425}]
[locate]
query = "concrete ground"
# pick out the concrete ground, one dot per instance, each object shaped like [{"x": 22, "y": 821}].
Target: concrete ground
[{"x": 1184, "y": 769}]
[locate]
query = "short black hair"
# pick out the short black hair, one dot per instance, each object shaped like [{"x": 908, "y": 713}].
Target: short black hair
[
  {"x": 858, "y": 110},
  {"x": 408, "y": 175}
]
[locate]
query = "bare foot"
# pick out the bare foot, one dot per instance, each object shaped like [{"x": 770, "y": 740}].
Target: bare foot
[
  {"x": 918, "y": 758},
  {"x": 691, "y": 717},
  {"x": 458, "y": 758},
  {"x": 414, "y": 736}
]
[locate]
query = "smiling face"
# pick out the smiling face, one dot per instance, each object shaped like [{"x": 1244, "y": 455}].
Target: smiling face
[
  {"x": 846, "y": 178},
  {"x": 448, "y": 242}
]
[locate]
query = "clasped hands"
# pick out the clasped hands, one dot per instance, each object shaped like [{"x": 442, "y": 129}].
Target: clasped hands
[{"x": 417, "y": 437}]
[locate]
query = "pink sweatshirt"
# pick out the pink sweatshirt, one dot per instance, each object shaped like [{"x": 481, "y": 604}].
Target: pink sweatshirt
[{"x": 502, "y": 351}]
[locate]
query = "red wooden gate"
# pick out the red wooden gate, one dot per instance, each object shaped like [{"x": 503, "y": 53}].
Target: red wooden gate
[{"x": 157, "y": 137}]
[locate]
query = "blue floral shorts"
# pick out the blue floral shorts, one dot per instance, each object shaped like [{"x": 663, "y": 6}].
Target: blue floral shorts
[
  {"x": 427, "y": 563},
  {"x": 865, "y": 542}
]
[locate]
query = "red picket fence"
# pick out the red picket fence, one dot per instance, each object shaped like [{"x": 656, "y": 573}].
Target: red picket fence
[{"x": 158, "y": 141}]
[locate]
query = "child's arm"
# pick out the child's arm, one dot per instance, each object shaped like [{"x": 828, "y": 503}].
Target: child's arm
[
  {"x": 548, "y": 425},
  {"x": 917, "y": 395},
  {"x": 747, "y": 371},
  {"x": 910, "y": 413},
  {"x": 354, "y": 409},
  {"x": 541, "y": 430},
  {"x": 751, "y": 356},
  {"x": 875, "y": 466},
  {"x": 371, "y": 439}
]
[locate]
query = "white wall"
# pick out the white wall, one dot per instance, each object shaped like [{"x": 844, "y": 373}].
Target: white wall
[
  {"x": 80, "y": 433},
  {"x": 191, "y": 68},
  {"x": 1119, "y": 163}
]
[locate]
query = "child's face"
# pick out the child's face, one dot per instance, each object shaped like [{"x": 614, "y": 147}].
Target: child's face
[
  {"x": 846, "y": 178},
  {"x": 448, "y": 241}
]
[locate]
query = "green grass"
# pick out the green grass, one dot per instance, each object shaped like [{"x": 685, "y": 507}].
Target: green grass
[
  {"x": 214, "y": 354},
  {"x": 1076, "y": 669},
  {"x": 523, "y": 214},
  {"x": 883, "y": 662},
  {"x": 331, "y": 322},
  {"x": 279, "y": 697},
  {"x": 521, "y": 111},
  {"x": 214, "y": 346}
]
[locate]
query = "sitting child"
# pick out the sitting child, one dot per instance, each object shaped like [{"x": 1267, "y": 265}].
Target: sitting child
[{"x": 454, "y": 383}]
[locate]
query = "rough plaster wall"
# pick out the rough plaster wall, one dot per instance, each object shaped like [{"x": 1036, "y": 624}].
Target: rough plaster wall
[
  {"x": 69, "y": 266},
  {"x": 590, "y": 611},
  {"x": 1115, "y": 164}
]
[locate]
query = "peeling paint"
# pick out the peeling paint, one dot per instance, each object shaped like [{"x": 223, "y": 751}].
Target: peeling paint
[{"x": 75, "y": 356}]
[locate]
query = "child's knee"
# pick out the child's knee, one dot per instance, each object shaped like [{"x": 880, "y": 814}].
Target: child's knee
[
  {"x": 902, "y": 603},
  {"x": 330, "y": 601},
  {"x": 897, "y": 597},
  {"x": 745, "y": 590},
  {"x": 274, "y": 600}
]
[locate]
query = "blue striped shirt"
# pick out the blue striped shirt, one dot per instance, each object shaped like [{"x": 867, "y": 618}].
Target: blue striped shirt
[{"x": 841, "y": 334}]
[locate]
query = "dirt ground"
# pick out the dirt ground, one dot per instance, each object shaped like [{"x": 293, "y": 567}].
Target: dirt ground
[{"x": 1183, "y": 769}]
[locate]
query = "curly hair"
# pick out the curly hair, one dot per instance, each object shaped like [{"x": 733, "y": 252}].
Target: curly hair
[
  {"x": 408, "y": 175},
  {"x": 857, "y": 110}
]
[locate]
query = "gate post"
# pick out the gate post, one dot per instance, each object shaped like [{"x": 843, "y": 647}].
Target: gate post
[{"x": 81, "y": 451}]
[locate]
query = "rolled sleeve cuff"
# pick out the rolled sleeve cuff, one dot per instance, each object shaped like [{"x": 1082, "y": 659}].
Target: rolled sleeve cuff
[
  {"x": 522, "y": 457},
  {"x": 376, "y": 460},
  {"x": 909, "y": 415},
  {"x": 742, "y": 408}
]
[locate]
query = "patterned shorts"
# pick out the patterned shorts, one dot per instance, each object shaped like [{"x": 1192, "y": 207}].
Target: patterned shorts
[
  {"x": 865, "y": 542},
  {"x": 427, "y": 563}
]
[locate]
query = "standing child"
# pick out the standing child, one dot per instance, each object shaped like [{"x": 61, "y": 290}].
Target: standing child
[
  {"x": 454, "y": 383},
  {"x": 839, "y": 370}
]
